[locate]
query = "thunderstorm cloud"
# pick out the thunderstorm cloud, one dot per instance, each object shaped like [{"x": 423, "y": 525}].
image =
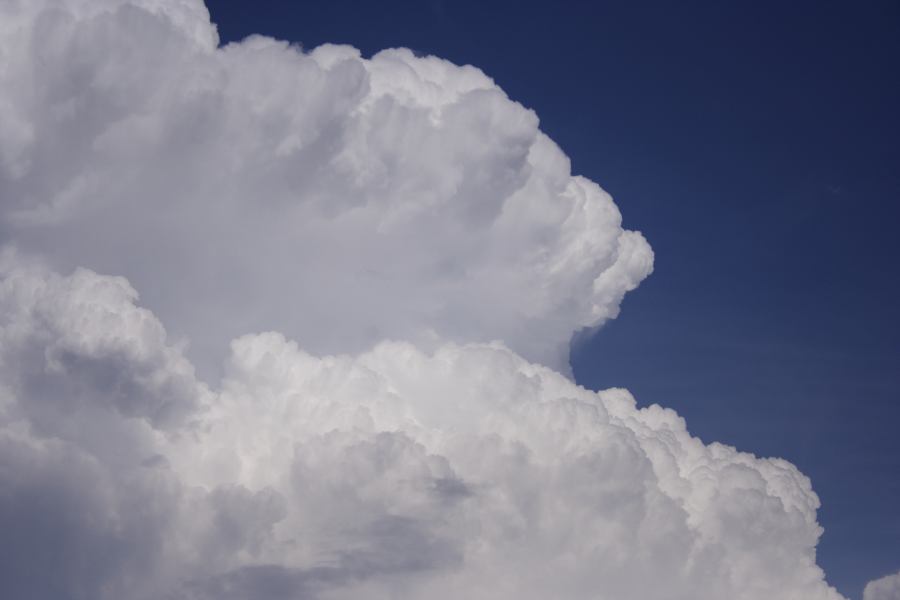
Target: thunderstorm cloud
[{"x": 345, "y": 375}]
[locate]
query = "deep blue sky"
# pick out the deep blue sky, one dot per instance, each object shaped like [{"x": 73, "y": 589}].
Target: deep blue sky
[{"x": 757, "y": 146}]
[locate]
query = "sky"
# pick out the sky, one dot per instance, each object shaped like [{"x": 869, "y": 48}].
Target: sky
[
  {"x": 609, "y": 314},
  {"x": 755, "y": 145}
]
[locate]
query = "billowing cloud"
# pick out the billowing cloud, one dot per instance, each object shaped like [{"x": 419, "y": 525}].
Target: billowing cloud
[
  {"x": 461, "y": 472},
  {"x": 341, "y": 200},
  {"x": 430, "y": 252},
  {"x": 886, "y": 588}
]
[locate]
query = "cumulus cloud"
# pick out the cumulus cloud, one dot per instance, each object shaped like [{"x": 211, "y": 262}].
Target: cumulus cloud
[
  {"x": 461, "y": 472},
  {"x": 886, "y": 588},
  {"x": 430, "y": 252},
  {"x": 339, "y": 199}
]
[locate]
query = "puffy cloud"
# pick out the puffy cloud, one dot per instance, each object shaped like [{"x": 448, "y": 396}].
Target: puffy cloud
[
  {"x": 465, "y": 471},
  {"x": 339, "y": 199},
  {"x": 886, "y": 588},
  {"x": 343, "y": 202}
]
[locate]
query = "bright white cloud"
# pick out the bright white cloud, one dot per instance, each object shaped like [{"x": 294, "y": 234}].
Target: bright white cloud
[
  {"x": 342, "y": 202},
  {"x": 396, "y": 473},
  {"x": 338, "y": 199},
  {"x": 886, "y": 588}
]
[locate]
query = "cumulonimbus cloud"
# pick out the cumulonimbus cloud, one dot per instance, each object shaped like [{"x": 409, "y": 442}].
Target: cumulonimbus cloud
[
  {"x": 399, "y": 213},
  {"x": 462, "y": 472},
  {"x": 338, "y": 199}
]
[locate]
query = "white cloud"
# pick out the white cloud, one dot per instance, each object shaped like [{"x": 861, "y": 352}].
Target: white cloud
[
  {"x": 344, "y": 202},
  {"x": 886, "y": 588},
  {"x": 463, "y": 472},
  {"x": 338, "y": 199}
]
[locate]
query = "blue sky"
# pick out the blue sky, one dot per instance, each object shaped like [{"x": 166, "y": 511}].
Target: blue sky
[{"x": 756, "y": 147}]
